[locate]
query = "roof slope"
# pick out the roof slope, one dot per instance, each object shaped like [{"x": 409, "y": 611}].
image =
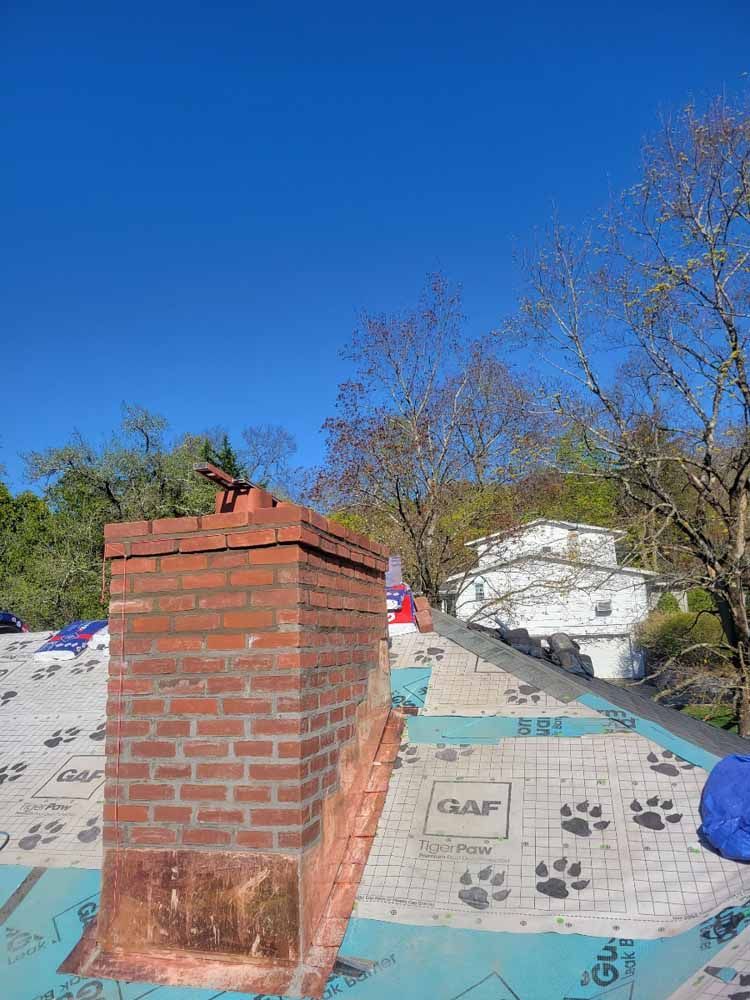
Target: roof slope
[{"x": 567, "y": 687}]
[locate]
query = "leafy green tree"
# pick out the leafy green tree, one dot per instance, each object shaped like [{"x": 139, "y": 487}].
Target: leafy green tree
[{"x": 224, "y": 456}]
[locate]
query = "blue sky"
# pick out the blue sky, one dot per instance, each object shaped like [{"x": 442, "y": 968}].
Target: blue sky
[{"x": 199, "y": 198}]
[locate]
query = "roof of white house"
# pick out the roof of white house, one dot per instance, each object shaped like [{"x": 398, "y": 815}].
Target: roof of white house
[
  {"x": 550, "y": 557},
  {"x": 568, "y": 525}
]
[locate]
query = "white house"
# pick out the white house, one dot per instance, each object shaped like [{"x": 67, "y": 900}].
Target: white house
[{"x": 555, "y": 576}]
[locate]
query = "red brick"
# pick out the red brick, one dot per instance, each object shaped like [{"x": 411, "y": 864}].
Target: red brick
[
  {"x": 179, "y": 643},
  {"x": 229, "y": 816},
  {"x": 131, "y": 606},
  {"x": 248, "y": 619},
  {"x": 251, "y": 578},
  {"x": 284, "y": 597},
  {"x": 148, "y": 706},
  {"x": 159, "y": 666},
  {"x": 224, "y": 771},
  {"x": 129, "y": 567},
  {"x": 205, "y": 837},
  {"x": 234, "y": 519},
  {"x": 126, "y": 529},
  {"x": 182, "y": 602},
  {"x": 174, "y": 525},
  {"x": 255, "y": 838},
  {"x": 231, "y": 599},
  {"x": 173, "y": 814},
  {"x": 297, "y": 793},
  {"x": 155, "y": 584},
  {"x": 150, "y": 792},
  {"x": 183, "y": 685},
  {"x": 117, "y": 812},
  {"x": 197, "y": 622},
  {"x": 153, "y": 748},
  {"x": 116, "y": 768},
  {"x": 226, "y": 640},
  {"x": 203, "y": 543},
  {"x": 249, "y": 539},
  {"x": 297, "y": 660},
  {"x": 246, "y": 706},
  {"x": 174, "y": 772},
  {"x": 221, "y": 727},
  {"x": 282, "y": 514},
  {"x": 223, "y": 684},
  {"x": 203, "y": 664},
  {"x": 252, "y": 793},
  {"x": 257, "y": 661},
  {"x": 195, "y": 706},
  {"x": 130, "y": 685},
  {"x": 253, "y": 748},
  {"x": 277, "y": 727},
  {"x": 277, "y": 640},
  {"x": 173, "y": 727},
  {"x": 276, "y": 555},
  {"x": 277, "y": 817},
  {"x": 208, "y": 792},
  {"x": 151, "y": 623},
  {"x": 177, "y": 564},
  {"x": 136, "y": 646},
  {"x": 204, "y": 748},
  {"x": 152, "y": 835},
  {"x": 228, "y": 560},
  {"x": 203, "y": 581},
  {"x": 154, "y": 547},
  {"x": 284, "y": 682}
]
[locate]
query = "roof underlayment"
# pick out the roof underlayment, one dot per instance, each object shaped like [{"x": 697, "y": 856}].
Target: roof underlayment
[{"x": 538, "y": 838}]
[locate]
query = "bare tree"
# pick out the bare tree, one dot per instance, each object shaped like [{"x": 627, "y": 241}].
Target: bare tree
[
  {"x": 267, "y": 458},
  {"x": 647, "y": 327},
  {"x": 426, "y": 429}
]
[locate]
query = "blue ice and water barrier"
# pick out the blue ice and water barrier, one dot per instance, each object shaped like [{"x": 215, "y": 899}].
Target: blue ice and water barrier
[{"x": 415, "y": 963}]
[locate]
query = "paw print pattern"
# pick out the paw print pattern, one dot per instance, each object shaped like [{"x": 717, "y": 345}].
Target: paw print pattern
[
  {"x": 556, "y": 887},
  {"x": 85, "y": 668},
  {"x": 662, "y": 763},
  {"x": 652, "y": 819},
  {"x": 44, "y": 672},
  {"x": 39, "y": 834},
  {"x": 62, "y": 736},
  {"x": 523, "y": 694},
  {"x": 99, "y": 733},
  {"x": 12, "y": 772},
  {"x": 580, "y": 826},
  {"x": 453, "y": 753},
  {"x": 431, "y": 653},
  {"x": 407, "y": 754},
  {"x": 90, "y": 831},
  {"x": 6, "y": 697},
  {"x": 478, "y": 896}
]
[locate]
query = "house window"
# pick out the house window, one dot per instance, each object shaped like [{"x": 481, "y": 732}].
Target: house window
[
  {"x": 574, "y": 550},
  {"x": 479, "y": 590},
  {"x": 603, "y": 608}
]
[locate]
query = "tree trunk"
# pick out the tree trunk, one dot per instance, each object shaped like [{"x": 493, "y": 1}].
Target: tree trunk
[
  {"x": 742, "y": 709},
  {"x": 733, "y": 614}
]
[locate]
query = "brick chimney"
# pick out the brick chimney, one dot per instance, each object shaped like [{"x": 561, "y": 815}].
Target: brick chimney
[{"x": 248, "y": 692}]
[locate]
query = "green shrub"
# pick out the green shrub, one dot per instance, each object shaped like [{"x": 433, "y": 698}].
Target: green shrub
[
  {"x": 700, "y": 600},
  {"x": 667, "y": 604},
  {"x": 667, "y": 635}
]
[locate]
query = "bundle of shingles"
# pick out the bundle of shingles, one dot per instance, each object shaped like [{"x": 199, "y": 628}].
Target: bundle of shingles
[{"x": 557, "y": 648}]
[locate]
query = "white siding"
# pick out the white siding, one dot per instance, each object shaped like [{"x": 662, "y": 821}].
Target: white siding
[{"x": 545, "y": 596}]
